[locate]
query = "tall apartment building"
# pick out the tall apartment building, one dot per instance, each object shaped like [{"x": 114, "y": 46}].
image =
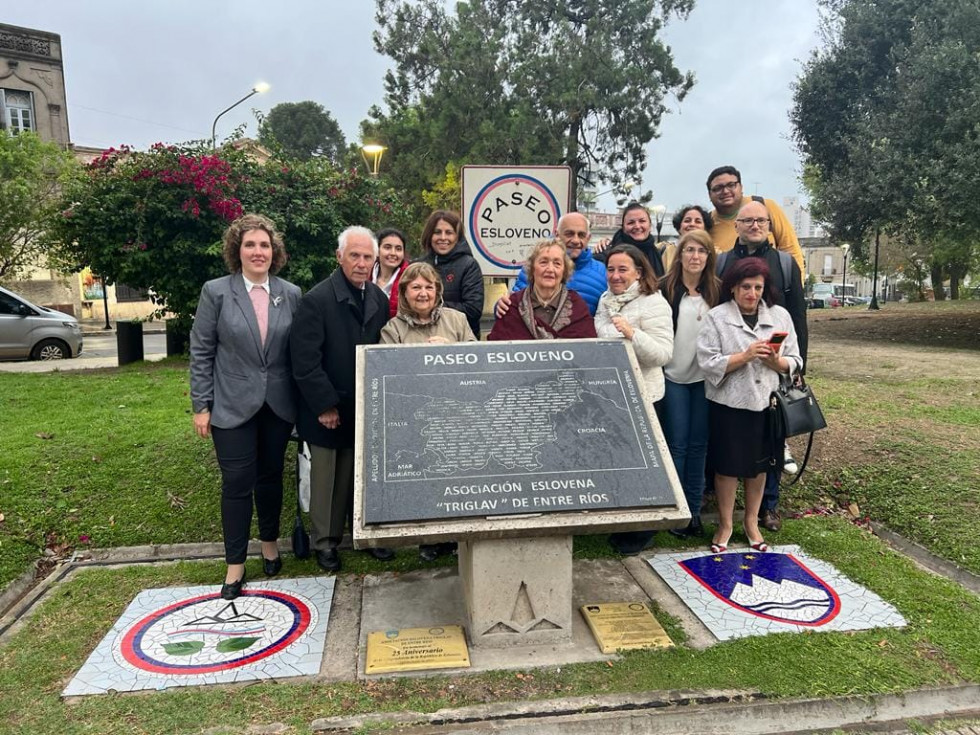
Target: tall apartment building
[{"x": 32, "y": 83}]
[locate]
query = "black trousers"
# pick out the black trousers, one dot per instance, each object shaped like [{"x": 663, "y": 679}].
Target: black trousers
[{"x": 251, "y": 459}]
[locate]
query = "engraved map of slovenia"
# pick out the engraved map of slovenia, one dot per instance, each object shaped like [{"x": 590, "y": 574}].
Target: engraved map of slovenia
[{"x": 525, "y": 426}]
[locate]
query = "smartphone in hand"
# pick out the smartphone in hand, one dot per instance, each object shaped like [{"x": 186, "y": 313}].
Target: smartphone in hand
[{"x": 776, "y": 341}]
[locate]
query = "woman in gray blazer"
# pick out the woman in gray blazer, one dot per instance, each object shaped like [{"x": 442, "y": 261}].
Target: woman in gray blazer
[{"x": 241, "y": 387}]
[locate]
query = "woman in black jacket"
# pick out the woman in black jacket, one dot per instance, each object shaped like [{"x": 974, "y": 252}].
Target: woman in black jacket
[{"x": 447, "y": 251}]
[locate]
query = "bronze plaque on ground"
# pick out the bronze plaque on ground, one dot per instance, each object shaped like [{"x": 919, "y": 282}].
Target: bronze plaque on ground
[
  {"x": 416, "y": 649},
  {"x": 620, "y": 625}
]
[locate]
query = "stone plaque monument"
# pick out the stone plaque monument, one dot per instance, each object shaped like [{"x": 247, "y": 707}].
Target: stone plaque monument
[{"x": 521, "y": 443}]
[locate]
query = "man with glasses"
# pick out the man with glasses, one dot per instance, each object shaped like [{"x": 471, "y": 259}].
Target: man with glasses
[
  {"x": 725, "y": 192},
  {"x": 589, "y": 278},
  {"x": 752, "y": 228}
]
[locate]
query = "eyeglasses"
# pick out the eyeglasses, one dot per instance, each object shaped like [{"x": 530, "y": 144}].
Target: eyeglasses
[
  {"x": 719, "y": 188},
  {"x": 694, "y": 251},
  {"x": 749, "y": 221}
]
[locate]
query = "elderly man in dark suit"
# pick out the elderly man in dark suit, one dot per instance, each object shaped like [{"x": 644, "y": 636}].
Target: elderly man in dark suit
[{"x": 334, "y": 317}]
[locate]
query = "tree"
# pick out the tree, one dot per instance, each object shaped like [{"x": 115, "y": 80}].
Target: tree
[
  {"x": 31, "y": 172},
  {"x": 885, "y": 116},
  {"x": 301, "y": 131},
  {"x": 154, "y": 219},
  {"x": 502, "y": 82}
]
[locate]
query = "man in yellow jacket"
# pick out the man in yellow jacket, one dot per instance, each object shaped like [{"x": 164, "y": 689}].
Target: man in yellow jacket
[{"x": 725, "y": 192}]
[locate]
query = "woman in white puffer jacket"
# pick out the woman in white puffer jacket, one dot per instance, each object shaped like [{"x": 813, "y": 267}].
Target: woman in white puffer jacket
[{"x": 633, "y": 309}]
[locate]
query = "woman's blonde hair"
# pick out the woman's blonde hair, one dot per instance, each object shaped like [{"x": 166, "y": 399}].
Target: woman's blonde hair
[
  {"x": 709, "y": 284},
  {"x": 417, "y": 270}
]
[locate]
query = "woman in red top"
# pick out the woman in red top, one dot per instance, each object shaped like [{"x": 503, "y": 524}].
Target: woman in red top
[{"x": 546, "y": 309}]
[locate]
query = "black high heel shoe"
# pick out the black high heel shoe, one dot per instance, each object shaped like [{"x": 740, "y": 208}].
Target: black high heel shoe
[
  {"x": 232, "y": 590},
  {"x": 272, "y": 567}
]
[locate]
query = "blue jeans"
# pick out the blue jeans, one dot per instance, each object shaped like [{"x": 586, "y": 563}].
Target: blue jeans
[
  {"x": 770, "y": 497},
  {"x": 686, "y": 429}
]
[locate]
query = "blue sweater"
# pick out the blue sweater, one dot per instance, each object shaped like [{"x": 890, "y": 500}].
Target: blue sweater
[{"x": 588, "y": 280}]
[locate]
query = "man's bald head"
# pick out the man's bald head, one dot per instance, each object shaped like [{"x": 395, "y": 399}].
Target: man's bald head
[
  {"x": 752, "y": 224},
  {"x": 573, "y": 231}
]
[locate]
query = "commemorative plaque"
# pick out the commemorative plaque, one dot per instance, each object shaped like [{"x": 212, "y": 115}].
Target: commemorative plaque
[{"x": 495, "y": 429}]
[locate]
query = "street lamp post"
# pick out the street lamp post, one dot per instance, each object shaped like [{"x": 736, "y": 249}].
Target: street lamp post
[
  {"x": 659, "y": 212},
  {"x": 372, "y": 153},
  {"x": 259, "y": 88},
  {"x": 843, "y": 289},
  {"x": 873, "y": 304}
]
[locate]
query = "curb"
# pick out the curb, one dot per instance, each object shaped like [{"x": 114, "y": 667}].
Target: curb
[
  {"x": 711, "y": 712},
  {"x": 927, "y": 560}
]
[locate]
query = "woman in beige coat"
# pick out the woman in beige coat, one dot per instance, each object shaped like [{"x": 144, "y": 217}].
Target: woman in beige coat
[{"x": 422, "y": 319}]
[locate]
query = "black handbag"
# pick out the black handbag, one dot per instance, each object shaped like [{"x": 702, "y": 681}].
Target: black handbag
[{"x": 793, "y": 410}]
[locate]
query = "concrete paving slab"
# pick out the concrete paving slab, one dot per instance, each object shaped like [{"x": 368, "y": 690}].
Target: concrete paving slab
[{"x": 435, "y": 597}]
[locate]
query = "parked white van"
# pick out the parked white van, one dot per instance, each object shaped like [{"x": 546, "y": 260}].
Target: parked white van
[{"x": 28, "y": 331}]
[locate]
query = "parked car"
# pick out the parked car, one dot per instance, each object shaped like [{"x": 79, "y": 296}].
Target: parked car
[
  {"x": 823, "y": 297},
  {"x": 28, "y": 331}
]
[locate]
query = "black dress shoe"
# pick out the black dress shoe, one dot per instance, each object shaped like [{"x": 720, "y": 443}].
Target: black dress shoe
[
  {"x": 328, "y": 560},
  {"x": 428, "y": 552},
  {"x": 272, "y": 567},
  {"x": 381, "y": 553},
  {"x": 694, "y": 529},
  {"x": 232, "y": 590}
]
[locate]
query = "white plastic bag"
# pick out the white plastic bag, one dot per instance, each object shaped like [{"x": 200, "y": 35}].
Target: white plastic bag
[{"x": 303, "y": 476}]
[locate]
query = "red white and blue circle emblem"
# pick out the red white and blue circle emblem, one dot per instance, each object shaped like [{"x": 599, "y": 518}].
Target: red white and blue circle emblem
[{"x": 206, "y": 634}]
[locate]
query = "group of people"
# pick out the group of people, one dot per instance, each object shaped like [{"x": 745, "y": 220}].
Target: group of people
[
  {"x": 265, "y": 358},
  {"x": 705, "y": 319}
]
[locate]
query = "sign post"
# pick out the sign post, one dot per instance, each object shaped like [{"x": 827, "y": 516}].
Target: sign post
[{"x": 506, "y": 210}]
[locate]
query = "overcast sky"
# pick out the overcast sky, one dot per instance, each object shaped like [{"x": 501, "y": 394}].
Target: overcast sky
[{"x": 160, "y": 70}]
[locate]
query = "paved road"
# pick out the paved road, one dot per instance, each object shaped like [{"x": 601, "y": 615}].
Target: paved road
[{"x": 98, "y": 351}]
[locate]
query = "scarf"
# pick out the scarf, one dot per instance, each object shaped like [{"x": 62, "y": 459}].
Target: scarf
[
  {"x": 615, "y": 302},
  {"x": 562, "y": 318},
  {"x": 413, "y": 321}
]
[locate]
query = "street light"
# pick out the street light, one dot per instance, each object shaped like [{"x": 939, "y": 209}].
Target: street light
[
  {"x": 371, "y": 153},
  {"x": 659, "y": 212},
  {"x": 843, "y": 291},
  {"x": 873, "y": 305},
  {"x": 259, "y": 88}
]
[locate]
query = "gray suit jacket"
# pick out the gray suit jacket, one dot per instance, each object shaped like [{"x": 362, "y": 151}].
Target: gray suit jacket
[{"x": 231, "y": 373}]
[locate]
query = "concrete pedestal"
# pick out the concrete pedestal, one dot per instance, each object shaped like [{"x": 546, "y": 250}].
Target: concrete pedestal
[{"x": 518, "y": 592}]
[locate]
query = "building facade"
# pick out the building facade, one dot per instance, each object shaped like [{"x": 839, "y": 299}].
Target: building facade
[{"x": 33, "y": 98}]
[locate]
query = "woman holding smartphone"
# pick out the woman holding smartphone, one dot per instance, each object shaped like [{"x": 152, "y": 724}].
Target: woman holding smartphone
[{"x": 741, "y": 369}]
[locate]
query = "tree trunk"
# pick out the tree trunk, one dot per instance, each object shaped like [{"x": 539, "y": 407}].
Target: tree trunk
[
  {"x": 571, "y": 156},
  {"x": 936, "y": 274},
  {"x": 956, "y": 273}
]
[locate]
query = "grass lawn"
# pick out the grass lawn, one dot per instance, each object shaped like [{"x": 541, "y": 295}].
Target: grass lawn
[
  {"x": 940, "y": 646},
  {"x": 107, "y": 458}
]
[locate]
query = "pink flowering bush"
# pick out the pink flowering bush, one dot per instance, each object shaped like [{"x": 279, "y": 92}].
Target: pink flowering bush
[{"x": 154, "y": 219}]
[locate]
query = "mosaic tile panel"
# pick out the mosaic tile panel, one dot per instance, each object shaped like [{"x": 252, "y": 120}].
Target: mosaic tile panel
[
  {"x": 741, "y": 593},
  {"x": 189, "y": 636}
]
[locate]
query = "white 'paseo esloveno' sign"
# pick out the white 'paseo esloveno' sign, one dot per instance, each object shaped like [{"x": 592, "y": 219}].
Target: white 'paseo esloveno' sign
[{"x": 508, "y": 209}]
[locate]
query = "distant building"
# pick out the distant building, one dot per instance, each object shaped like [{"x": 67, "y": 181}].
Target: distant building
[
  {"x": 32, "y": 97},
  {"x": 32, "y": 83},
  {"x": 799, "y": 215}
]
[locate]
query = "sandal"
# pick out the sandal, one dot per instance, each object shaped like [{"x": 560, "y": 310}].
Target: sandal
[
  {"x": 759, "y": 546},
  {"x": 718, "y": 548}
]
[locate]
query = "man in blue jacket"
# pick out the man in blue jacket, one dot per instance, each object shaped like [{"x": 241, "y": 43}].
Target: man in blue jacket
[{"x": 589, "y": 278}]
